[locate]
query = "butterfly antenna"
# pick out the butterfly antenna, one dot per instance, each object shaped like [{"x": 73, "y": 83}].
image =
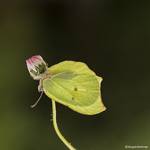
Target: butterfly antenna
[{"x": 32, "y": 106}]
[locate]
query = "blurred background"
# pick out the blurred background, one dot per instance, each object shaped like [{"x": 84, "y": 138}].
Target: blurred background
[{"x": 112, "y": 37}]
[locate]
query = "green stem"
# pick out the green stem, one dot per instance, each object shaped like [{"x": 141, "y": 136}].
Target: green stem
[{"x": 70, "y": 147}]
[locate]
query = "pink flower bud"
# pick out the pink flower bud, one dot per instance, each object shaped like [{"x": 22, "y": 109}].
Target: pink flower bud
[{"x": 36, "y": 67}]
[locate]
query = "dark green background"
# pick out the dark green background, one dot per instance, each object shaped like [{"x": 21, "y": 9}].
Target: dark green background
[{"x": 112, "y": 37}]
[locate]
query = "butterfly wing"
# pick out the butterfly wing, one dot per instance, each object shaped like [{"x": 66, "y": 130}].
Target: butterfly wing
[
  {"x": 95, "y": 108},
  {"x": 79, "y": 92},
  {"x": 70, "y": 66},
  {"x": 73, "y": 84}
]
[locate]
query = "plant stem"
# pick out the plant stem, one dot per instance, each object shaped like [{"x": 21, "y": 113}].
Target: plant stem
[{"x": 70, "y": 147}]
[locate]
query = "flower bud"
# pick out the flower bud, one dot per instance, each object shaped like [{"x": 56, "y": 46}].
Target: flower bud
[{"x": 36, "y": 67}]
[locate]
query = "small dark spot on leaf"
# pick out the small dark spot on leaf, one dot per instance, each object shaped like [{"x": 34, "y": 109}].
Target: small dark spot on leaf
[{"x": 72, "y": 98}]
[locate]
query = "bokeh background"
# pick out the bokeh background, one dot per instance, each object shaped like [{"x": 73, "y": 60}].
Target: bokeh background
[{"x": 112, "y": 37}]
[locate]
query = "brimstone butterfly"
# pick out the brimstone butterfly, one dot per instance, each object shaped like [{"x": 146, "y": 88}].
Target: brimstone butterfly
[{"x": 70, "y": 83}]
